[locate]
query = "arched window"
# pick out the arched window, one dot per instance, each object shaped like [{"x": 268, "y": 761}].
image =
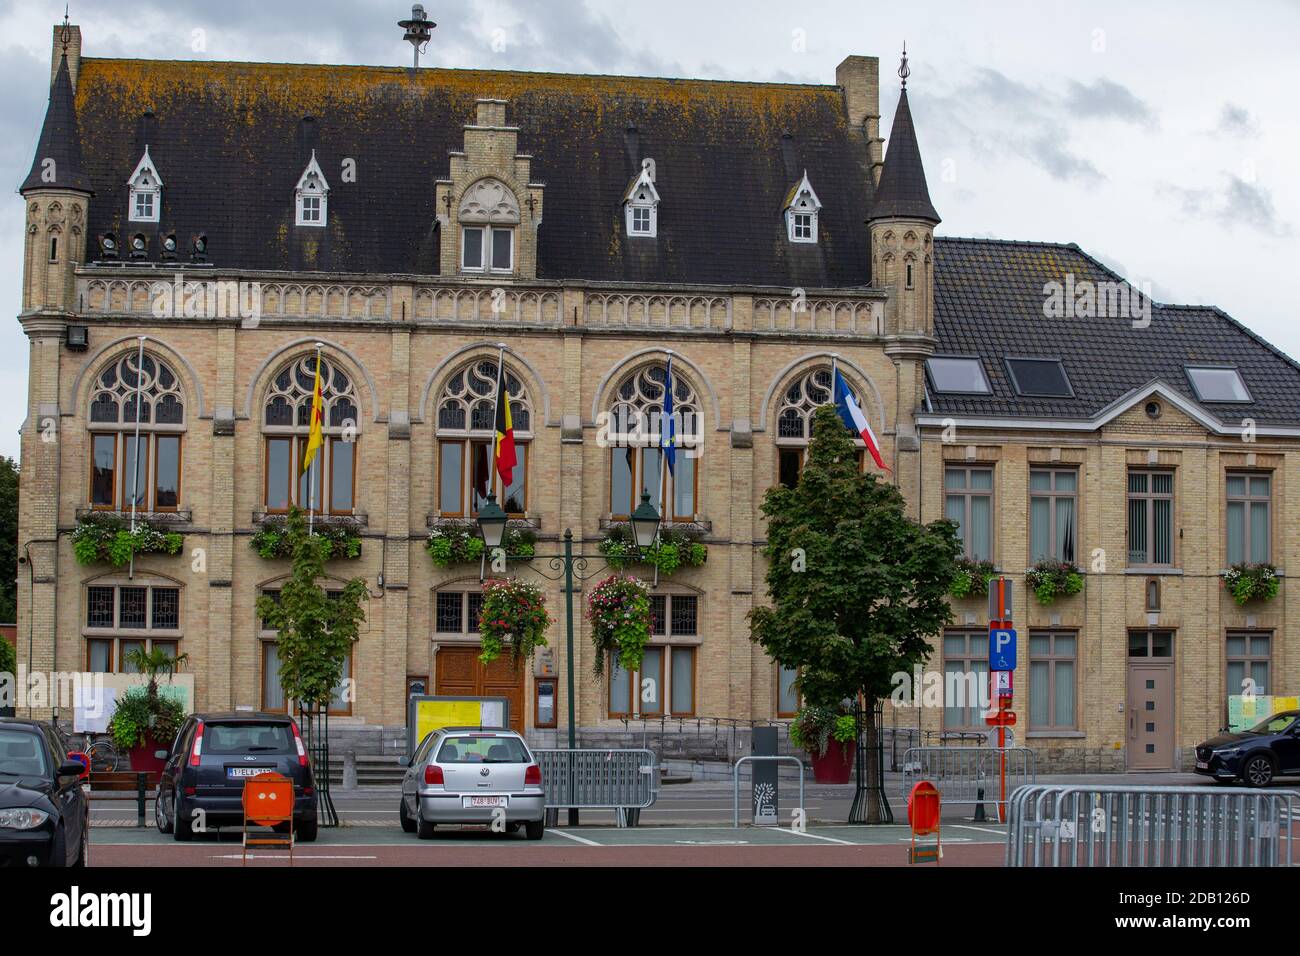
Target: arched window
[
  {"x": 286, "y": 422},
  {"x": 489, "y": 215},
  {"x": 122, "y": 387},
  {"x": 794, "y": 422},
  {"x": 637, "y": 432},
  {"x": 466, "y": 428}
]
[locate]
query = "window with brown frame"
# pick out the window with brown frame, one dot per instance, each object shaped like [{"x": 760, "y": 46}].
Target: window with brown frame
[
  {"x": 636, "y": 455},
  {"x": 1249, "y": 662},
  {"x": 466, "y": 431},
  {"x": 965, "y": 678},
  {"x": 794, "y": 423},
  {"x": 122, "y": 393},
  {"x": 329, "y": 484},
  {"x": 1150, "y": 518},
  {"x": 457, "y": 612},
  {"x": 1053, "y": 506},
  {"x": 273, "y": 698},
  {"x": 968, "y": 500},
  {"x": 789, "y": 701},
  {"x": 1249, "y": 521},
  {"x": 671, "y": 616},
  {"x": 466, "y": 475},
  {"x": 121, "y": 618},
  {"x": 1053, "y": 680}
]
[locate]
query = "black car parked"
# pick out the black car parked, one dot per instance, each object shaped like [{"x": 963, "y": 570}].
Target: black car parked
[
  {"x": 1269, "y": 749},
  {"x": 202, "y": 784},
  {"x": 44, "y": 812}
]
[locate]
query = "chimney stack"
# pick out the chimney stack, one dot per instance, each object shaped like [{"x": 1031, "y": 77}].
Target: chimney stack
[{"x": 859, "y": 78}]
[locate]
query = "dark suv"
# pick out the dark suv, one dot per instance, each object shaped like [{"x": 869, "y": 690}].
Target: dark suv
[{"x": 202, "y": 785}]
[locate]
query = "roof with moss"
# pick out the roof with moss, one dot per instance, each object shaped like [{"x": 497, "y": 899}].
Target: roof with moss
[{"x": 230, "y": 141}]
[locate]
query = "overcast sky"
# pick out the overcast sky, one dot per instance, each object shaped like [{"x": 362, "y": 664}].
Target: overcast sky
[{"x": 1161, "y": 139}]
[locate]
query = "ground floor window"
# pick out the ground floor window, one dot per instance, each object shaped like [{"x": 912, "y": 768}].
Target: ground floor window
[
  {"x": 111, "y": 655},
  {"x": 457, "y": 612},
  {"x": 965, "y": 678},
  {"x": 788, "y": 699},
  {"x": 666, "y": 675},
  {"x": 1249, "y": 662},
  {"x": 273, "y": 697},
  {"x": 1052, "y": 670},
  {"x": 122, "y": 618}
]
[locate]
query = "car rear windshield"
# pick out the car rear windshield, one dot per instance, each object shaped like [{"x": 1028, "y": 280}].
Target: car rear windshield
[
  {"x": 247, "y": 737},
  {"x": 477, "y": 748},
  {"x": 21, "y": 754}
]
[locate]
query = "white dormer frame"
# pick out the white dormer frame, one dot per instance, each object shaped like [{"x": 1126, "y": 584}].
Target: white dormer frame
[
  {"x": 311, "y": 196},
  {"x": 802, "y": 211},
  {"x": 144, "y": 202},
  {"x": 641, "y": 204}
]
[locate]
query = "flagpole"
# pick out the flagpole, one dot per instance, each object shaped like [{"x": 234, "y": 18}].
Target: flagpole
[
  {"x": 135, "y": 478},
  {"x": 663, "y": 455},
  {"x": 311, "y": 472}
]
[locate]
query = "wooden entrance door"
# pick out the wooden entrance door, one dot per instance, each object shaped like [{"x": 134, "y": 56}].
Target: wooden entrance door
[
  {"x": 1150, "y": 701},
  {"x": 458, "y": 673}
]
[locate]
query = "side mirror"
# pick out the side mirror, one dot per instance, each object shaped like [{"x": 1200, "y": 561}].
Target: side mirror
[
  {"x": 73, "y": 768},
  {"x": 161, "y": 754}
]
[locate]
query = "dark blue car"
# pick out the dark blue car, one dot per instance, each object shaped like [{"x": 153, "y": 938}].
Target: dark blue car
[
  {"x": 1269, "y": 749},
  {"x": 44, "y": 812}
]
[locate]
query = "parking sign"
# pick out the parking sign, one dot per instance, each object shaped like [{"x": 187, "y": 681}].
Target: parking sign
[{"x": 1002, "y": 649}]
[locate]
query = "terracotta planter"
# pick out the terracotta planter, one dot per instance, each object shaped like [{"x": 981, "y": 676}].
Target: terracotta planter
[
  {"x": 143, "y": 759},
  {"x": 836, "y": 764}
]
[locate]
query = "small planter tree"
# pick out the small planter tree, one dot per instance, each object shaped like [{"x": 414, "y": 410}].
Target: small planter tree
[
  {"x": 619, "y": 611},
  {"x": 514, "y": 616},
  {"x": 829, "y": 734},
  {"x": 144, "y": 721},
  {"x": 316, "y": 632}
]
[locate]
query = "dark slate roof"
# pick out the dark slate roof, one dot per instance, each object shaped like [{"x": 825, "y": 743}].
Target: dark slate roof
[
  {"x": 230, "y": 143},
  {"x": 989, "y": 299},
  {"x": 59, "y": 141},
  {"x": 902, "y": 191}
]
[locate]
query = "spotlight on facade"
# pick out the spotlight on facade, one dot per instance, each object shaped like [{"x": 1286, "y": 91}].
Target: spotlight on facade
[
  {"x": 199, "y": 248},
  {"x": 78, "y": 338},
  {"x": 169, "y": 246},
  {"x": 139, "y": 246},
  {"x": 108, "y": 246}
]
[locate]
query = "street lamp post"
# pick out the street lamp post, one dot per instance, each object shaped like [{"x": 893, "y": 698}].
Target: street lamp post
[{"x": 645, "y": 528}]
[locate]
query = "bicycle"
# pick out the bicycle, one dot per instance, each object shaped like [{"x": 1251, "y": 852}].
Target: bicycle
[{"x": 103, "y": 755}]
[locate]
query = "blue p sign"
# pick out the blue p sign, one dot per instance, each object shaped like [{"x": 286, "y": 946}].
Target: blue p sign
[{"x": 1002, "y": 649}]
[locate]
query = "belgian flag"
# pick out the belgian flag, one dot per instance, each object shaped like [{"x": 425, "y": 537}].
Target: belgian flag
[{"x": 503, "y": 454}]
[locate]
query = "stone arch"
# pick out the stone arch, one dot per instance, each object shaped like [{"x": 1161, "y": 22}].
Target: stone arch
[
  {"x": 624, "y": 365},
  {"x": 337, "y": 353},
  {"x": 853, "y": 373},
  {"x": 535, "y": 384},
  {"x": 192, "y": 384}
]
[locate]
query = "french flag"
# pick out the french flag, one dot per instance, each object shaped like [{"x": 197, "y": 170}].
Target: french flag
[{"x": 854, "y": 420}]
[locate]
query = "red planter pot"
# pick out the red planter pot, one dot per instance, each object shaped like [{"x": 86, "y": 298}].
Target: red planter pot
[
  {"x": 143, "y": 759},
  {"x": 836, "y": 764}
]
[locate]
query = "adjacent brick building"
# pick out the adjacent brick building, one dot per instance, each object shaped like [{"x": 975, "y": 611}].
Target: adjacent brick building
[{"x": 413, "y": 221}]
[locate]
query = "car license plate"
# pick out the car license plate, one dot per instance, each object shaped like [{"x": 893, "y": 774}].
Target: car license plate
[
  {"x": 485, "y": 801},
  {"x": 1202, "y": 765},
  {"x": 239, "y": 773}
]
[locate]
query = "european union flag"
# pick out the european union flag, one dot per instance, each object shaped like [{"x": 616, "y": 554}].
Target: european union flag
[{"x": 667, "y": 427}]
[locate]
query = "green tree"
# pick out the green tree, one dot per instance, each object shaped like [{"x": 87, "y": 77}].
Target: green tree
[
  {"x": 316, "y": 630},
  {"x": 8, "y": 540},
  {"x": 857, "y": 588}
]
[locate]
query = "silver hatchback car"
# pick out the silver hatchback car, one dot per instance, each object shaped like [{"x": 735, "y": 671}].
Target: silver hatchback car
[{"x": 468, "y": 776}]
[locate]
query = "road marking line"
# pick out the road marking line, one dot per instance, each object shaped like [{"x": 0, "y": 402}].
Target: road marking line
[
  {"x": 816, "y": 836},
  {"x": 575, "y": 838},
  {"x": 964, "y": 826}
]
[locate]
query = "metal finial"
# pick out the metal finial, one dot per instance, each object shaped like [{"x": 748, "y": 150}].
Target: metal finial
[
  {"x": 65, "y": 31},
  {"x": 904, "y": 71}
]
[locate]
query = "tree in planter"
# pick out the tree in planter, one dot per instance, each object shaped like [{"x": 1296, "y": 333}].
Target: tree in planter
[
  {"x": 857, "y": 588},
  {"x": 140, "y": 719},
  {"x": 316, "y": 631}
]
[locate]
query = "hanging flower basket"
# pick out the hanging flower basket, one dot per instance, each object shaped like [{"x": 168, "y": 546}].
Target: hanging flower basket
[
  {"x": 513, "y": 616},
  {"x": 619, "y": 611},
  {"x": 1251, "y": 582},
  {"x": 676, "y": 547},
  {"x": 461, "y": 543},
  {"x": 972, "y": 578},
  {"x": 108, "y": 539},
  {"x": 1051, "y": 579}
]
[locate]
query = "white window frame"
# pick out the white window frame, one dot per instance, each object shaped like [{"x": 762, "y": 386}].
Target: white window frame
[
  {"x": 642, "y": 194},
  {"x": 311, "y": 185},
  {"x": 801, "y": 203},
  {"x": 486, "y": 245},
  {"x": 145, "y": 182}
]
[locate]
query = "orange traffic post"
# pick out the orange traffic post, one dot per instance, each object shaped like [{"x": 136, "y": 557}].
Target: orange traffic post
[
  {"x": 268, "y": 802},
  {"x": 923, "y": 815}
]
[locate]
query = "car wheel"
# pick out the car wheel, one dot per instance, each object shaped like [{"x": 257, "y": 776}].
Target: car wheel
[
  {"x": 307, "y": 830},
  {"x": 160, "y": 817},
  {"x": 423, "y": 828},
  {"x": 536, "y": 829},
  {"x": 1258, "y": 771},
  {"x": 182, "y": 829},
  {"x": 408, "y": 825}
]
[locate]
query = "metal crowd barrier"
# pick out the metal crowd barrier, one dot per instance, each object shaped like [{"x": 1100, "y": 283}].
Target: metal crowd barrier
[
  {"x": 735, "y": 782},
  {"x": 625, "y": 781},
  {"x": 968, "y": 774},
  {"x": 1089, "y": 826}
]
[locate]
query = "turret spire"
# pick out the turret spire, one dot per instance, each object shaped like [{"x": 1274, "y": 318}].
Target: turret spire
[
  {"x": 58, "y": 163},
  {"x": 902, "y": 192}
]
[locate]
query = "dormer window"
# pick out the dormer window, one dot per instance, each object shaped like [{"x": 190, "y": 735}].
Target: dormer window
[
  {"x": 642, "y": 203},
  {"x": 801, "y": 212},
  {"x": 145, "y": 186},
  {"x": 489, "y": 216},
  {"x": 311, "y": 196}
]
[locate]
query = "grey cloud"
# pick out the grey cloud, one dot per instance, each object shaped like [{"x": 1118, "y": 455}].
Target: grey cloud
[
  {"x": 1237, "y": 204},
  {"x": 1106, "y": 99},
  {"x": 1235, "y": 120}
]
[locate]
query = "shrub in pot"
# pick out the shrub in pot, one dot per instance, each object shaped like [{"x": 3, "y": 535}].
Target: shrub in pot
[
  {"x": 144, "y": 721},
  {"x": 829, "y": 735}
]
